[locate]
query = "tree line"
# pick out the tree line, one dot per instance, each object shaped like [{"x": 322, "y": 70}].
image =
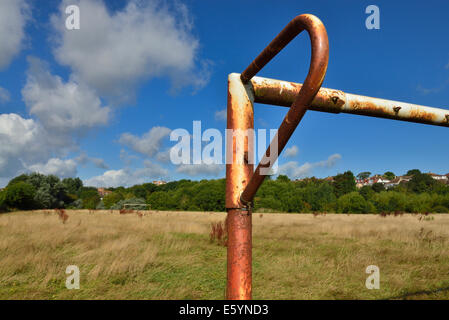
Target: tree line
[{"x": 421, "y": 194}]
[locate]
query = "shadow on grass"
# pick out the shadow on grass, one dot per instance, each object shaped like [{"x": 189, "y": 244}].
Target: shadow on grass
[{"x": 417, "y": 293}]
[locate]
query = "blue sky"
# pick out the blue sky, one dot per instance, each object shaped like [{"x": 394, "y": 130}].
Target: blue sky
[{"x": 99, "y": 102}]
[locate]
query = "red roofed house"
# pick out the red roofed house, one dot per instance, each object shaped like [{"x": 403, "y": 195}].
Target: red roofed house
[{"x": 103, "y": 192}]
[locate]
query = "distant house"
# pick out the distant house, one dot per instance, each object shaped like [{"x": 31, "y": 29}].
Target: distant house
[
  {"x": 103, "y": 192},
  {"x": 159, "y": 182},
  {"x": 370, "y": 181},
  {"x": 329, "y": 179},
  {"x": 361, "y": 182},
  {"x": 377, "y": 179},
  {"x": 397, "y": 181},
  {"x": 439, "y": 177}
]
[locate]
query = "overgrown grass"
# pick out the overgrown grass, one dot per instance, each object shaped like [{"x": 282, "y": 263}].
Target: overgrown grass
[{"x": 169, "y": 255}]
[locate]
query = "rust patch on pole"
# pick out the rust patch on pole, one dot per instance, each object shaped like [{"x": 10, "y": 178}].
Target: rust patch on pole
[
  {"x": 239, "y": 168},
  {"x": 317, "y": 71},
  {"x": 284, "y": 93}
]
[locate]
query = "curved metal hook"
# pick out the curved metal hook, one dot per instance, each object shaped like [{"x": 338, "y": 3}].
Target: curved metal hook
[{"x": 317, "y": 71}]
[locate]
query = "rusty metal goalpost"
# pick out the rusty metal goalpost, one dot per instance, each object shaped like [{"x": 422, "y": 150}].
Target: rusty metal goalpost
[{"x": 242, "y": 181}]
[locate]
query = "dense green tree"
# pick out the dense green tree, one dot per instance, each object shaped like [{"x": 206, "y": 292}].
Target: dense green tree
[
  {"x": 100, "y": 205},
  {"x": 90, "y": 202},
  {"x": 44, "y": 198},
  {"x": 353, "y": 202},
  {"x": 20, "y": 195},
  {"x": 89, "y": 197},
  {"x": 421, "y": 194},
  {"x": 344, "y": 183},
  {"x": 282, "y": 178},
  {"x": 367, "y": 192},
  {"x": 86, "y": 192},
  {"x": 111, "y": 199},
  {"x": 390, "y": 201},
  {"x": 389, "y": 175},
  {"x": 39, "y": 179},
  {"x": 159, "y": 200},
  {"x": 378, "y": 187},
  {"x": 72, "y": 185},
  {"x": 319, "y": 196},
  {"x": 3, "y": 205},
  {"x": 21, "y": 178},
  {"x": 421, "y": 182},
  {"x": 363, "y": 175},
  {"x": 440, "y": 209},
  {"x": 412, "y": 172},
  {"x": 138, "y": 191},
  {"x": 149, "y": 187}
]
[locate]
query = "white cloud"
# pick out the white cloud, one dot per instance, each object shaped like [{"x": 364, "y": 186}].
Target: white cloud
[
  {"x": 293, "y": 170},
  {"x": 22, "y": 141},
  {"x": 4, "y": 95},
  {"x": 127, "y": 158},
  {"x": 112, "y": 52},
  {"x": 291, "y": 152},
  {"x": 25, "y": 145},
  {"x": 200, "y": 169},
  {"x": 13, "y": 18},
  {"x": 99, "y": 163},
  {"x": 151, "y": 170},
  {"x": 221, "y": 115},
  {"x": 128, "y": 177},
  {"x": 163, "y": 156},
  {"x": 83, "y": 159},
  {"x": 64, "y": 111},
  {"x": 61, "y": 168},
  {"x": 63, "y": 108},
  {"x": 111, "y": 178},
  {"x": 150, "y": 142}
]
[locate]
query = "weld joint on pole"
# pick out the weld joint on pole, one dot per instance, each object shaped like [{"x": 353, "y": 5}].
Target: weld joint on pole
[{"x": 247, "y": 205}]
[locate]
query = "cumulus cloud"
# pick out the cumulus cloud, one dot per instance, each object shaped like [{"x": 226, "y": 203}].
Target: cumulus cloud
[
  {"x": 25, "y": 145},
  {"x": 61, "y": 168},
  {"x": 4, "y": 95},
  {"x": 295, "y": 171},
  {"x": 148, "y": 144},
  {"x": 111, "y": 178},
  {"x": 163, "y": 156},
  {"x": 13, "y": 18},
  {"x": 83, "y": 159},
  {"x": 200, "y": 169},
  {"x": 22, "y": 141},
  {"x": 63, "y": 108},
  {"x": 291, "y": 152},
  {"x": 127, "y": 158},
  {"x": 127, "y": 176},
  {"x": 62, "y": 112},
  {"x": 112, "y": 52},
  {"x": 151, "y": 170},
  {"x": 221, "y": 115}
]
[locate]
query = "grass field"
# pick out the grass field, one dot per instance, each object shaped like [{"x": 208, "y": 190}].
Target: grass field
[{"x": 168, "y": 255}]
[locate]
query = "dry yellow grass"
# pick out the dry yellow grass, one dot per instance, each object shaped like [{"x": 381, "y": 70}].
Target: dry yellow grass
[{"x": 168, "y": 255}]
